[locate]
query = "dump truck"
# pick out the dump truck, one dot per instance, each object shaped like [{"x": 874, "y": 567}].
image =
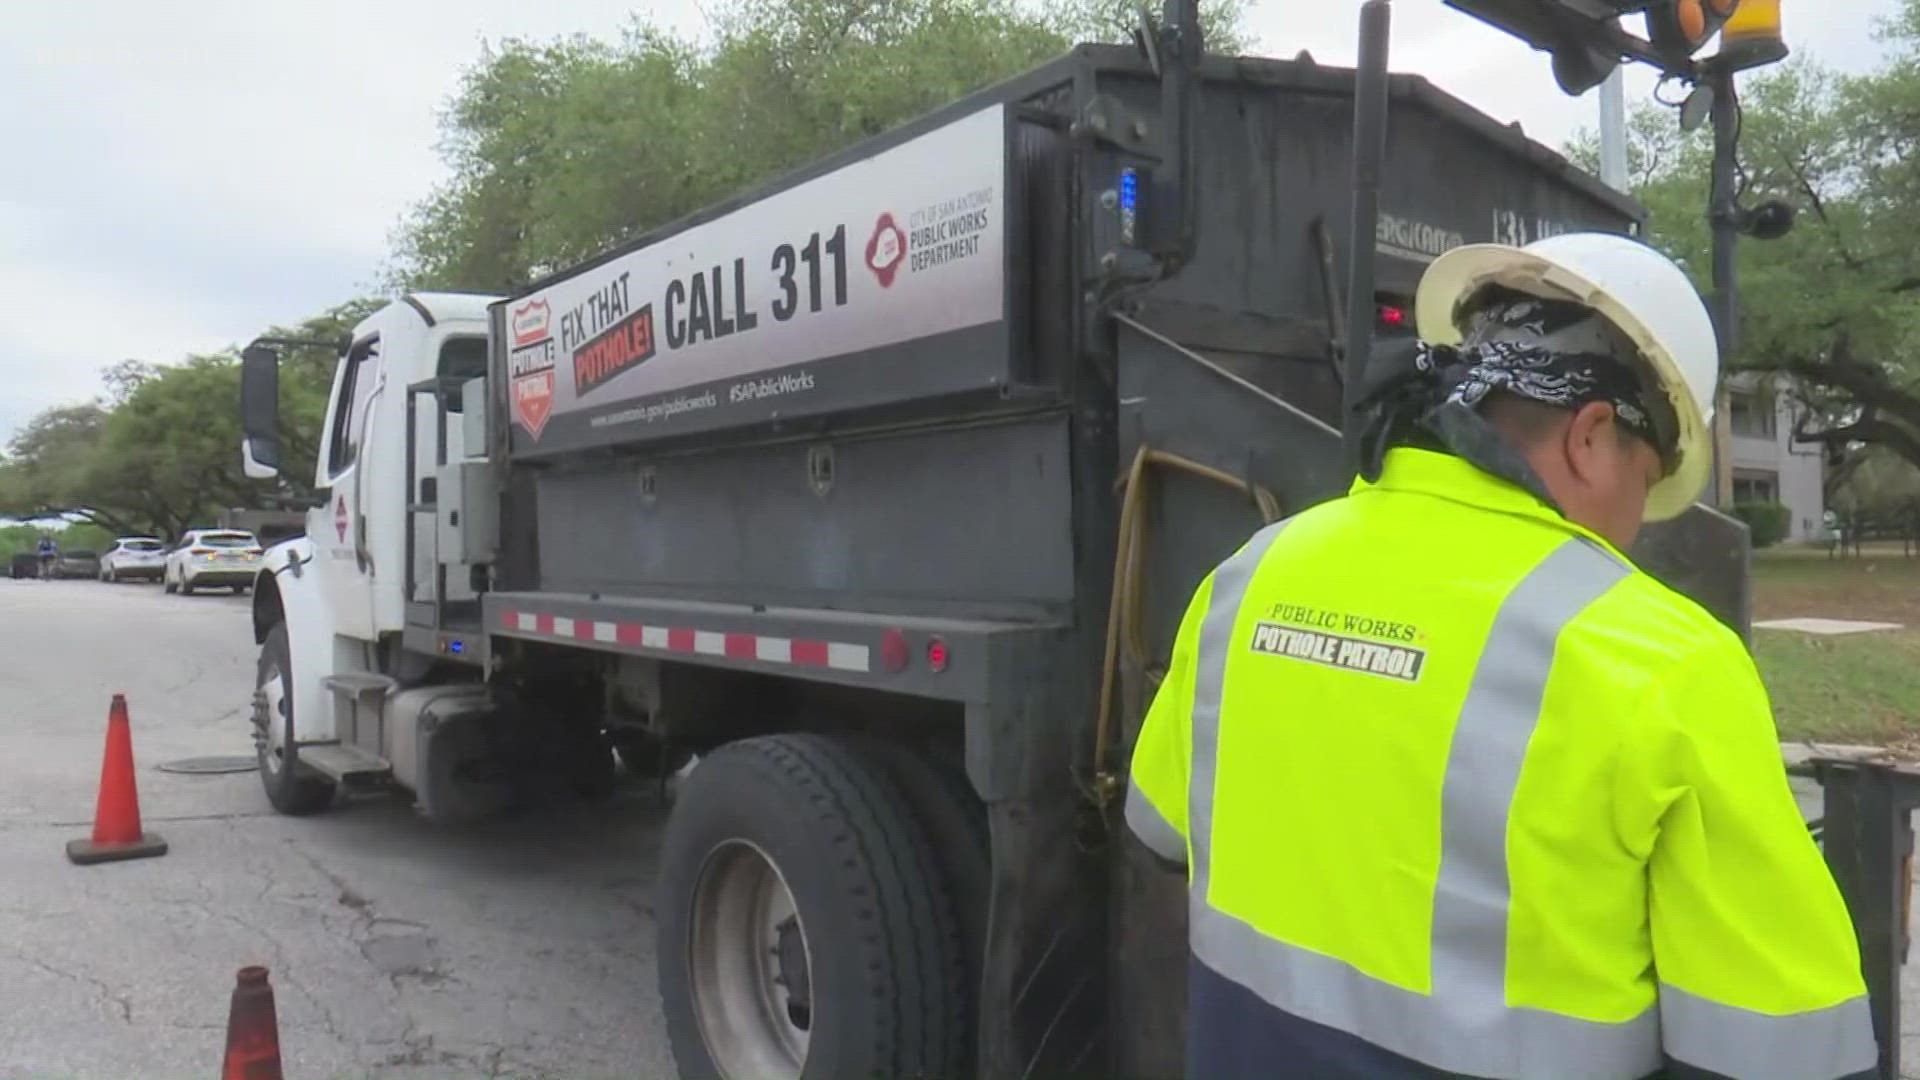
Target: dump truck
[{"x": 880, "y": 490}]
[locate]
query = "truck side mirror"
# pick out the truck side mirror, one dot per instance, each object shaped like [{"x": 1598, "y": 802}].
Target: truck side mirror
[{"x": 260, "y": 412}]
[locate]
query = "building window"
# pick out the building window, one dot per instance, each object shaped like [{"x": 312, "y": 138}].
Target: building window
[
  {"x": 1751, "y": 414},
  {"x": 1755, "y": 487}
]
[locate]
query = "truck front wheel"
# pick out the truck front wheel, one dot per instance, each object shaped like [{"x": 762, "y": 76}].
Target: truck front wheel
[
  {"x": 805, "y": 928},
  {"x": 290, "y": 788}
]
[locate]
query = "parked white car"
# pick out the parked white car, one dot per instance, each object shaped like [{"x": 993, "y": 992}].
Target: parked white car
[
  {"x": 134, "y": 558},
  {"x": 212, "y": 558}
]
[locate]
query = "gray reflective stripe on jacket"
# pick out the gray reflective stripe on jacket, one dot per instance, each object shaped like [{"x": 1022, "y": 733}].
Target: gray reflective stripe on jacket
[
  {"x": 1153, "y": 829},
  {"x": 1465, "y": 1025},
  {"x": 1823, "y": 1043}
]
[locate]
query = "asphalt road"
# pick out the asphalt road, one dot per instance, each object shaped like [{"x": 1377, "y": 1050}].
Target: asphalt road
[{"x": 523, "y": 948}]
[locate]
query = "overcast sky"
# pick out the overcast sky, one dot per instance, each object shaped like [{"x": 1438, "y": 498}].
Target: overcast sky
[{"x": 173, "y": 184}]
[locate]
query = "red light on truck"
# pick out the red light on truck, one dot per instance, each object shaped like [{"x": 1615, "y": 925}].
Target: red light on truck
[
  {"x": 893, "y": 651},
  {"x": 937, "y": 656},
  {"x": 1395, "y": 317}
]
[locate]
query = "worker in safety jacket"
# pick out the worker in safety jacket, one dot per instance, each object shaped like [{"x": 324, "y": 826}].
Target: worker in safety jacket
[{"x": 1460, "y": 790}]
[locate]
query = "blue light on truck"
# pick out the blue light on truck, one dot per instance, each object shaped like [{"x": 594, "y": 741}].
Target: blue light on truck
[{"x": 1129, "y": 204}]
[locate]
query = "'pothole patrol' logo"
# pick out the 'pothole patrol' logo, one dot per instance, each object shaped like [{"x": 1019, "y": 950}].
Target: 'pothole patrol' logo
[
  {"x": 530, "y": 364},
  {"x": 886, "y": 250},
  {"x": 1337, "y": 651}
]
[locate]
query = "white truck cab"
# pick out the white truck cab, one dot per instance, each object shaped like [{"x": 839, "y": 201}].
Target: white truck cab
[{"x": 371, "y": 547}]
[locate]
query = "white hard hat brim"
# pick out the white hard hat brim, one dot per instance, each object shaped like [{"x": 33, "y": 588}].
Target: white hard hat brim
[{"x": 1461, "y": 272}]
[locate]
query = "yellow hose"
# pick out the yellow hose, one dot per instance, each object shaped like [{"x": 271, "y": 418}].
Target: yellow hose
[{"x": 1124, "y": 623}]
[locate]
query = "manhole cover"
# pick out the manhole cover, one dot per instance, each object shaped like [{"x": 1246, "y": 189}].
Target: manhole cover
[{"x": 208, "y": 765}]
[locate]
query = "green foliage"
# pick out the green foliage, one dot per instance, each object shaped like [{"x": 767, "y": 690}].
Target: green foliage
[
  {"x": 160, "y": 452},
  {"x": 1767, "y": 522},
  {"x": 1835, "y": 305},
  {"x": 1876, "y": 480},
  {"x": 22, "y": 539},
  {"x": 560, "y": 150}
]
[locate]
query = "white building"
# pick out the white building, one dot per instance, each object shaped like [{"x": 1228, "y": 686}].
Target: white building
[{"x": 1759, "y": 462}]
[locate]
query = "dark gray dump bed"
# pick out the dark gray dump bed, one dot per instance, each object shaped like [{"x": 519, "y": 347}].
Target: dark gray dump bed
[
  {"x": 934, "y": 431},
  {"x": 894, "y": 272}
]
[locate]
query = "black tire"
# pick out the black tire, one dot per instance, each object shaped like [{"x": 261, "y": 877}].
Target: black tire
[
  {"x": 186, "y": 588},
  {"x": 166, "y": 581},
  {"x": 955, "y": 822},
  {"x": 884, "y": 954},
  {"x": 291, "y": 788}
]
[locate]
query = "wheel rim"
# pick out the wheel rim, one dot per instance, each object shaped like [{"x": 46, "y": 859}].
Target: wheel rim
[
  {"x": 270, "y": 720},
  {"x": 751, "y": 966}
]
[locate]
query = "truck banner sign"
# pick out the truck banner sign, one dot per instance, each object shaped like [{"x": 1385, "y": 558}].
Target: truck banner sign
[
  {"x": 749, "y": 316},
  {"x": 530, "y": 365}
]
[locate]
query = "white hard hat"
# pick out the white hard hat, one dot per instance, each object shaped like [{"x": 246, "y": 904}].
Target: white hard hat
[{"x": 1633, "y": 286}]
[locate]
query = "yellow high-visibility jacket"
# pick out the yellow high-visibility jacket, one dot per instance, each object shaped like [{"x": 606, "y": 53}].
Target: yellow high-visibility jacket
[{"x": 1462, "y": 792}]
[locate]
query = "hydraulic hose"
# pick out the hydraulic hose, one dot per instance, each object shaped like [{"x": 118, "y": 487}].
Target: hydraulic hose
[{"x": 1125, "y": 629}]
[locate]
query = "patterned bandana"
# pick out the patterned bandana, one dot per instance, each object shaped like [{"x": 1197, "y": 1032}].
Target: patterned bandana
[
  {"x": 1560, "y": 354},
  {"x": 1557, "y": 353}
]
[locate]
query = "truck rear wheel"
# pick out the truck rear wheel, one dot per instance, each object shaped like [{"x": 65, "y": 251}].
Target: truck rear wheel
[
  {"x": 951, "y": 815},
  {"x": 805, "y": 928},
  {"x": 291, "y": 788}
]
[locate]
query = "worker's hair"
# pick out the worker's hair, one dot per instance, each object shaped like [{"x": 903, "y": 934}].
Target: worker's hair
[{"x": 1523, "y": 422}]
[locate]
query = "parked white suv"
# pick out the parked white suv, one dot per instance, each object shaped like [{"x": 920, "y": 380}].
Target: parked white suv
[
  {"x": 134, "y": 557},
  {"x": 212, "y": 558}
]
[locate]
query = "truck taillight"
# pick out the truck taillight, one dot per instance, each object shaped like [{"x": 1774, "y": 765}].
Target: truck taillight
[
  {"x": 893, "y": 651},
  {"x": 936, "y": 656}
]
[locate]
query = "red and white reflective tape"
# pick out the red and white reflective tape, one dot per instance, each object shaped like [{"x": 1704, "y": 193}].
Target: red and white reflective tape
[{"x": 802, "y": 652}]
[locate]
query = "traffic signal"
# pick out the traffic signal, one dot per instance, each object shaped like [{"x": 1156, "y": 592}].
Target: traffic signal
[
  {"x": 1679, "y": 28},
  {"x": 1752, "y": 36}
]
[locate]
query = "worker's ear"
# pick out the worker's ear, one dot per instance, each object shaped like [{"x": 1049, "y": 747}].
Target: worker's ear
[{"x": 1592, "y": 445}]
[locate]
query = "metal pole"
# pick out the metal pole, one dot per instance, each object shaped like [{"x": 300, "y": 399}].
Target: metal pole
[
  {"x": 1613, "y": 130},
  {"x": 1369, "y": 155},
  {"x": 1722, "y": 214},
  {"x": 1867, "y": 836},
  {"x": 1179, "y": 115}
]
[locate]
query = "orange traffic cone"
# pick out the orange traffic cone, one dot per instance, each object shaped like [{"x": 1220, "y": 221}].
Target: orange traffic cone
[
  {"x": 253, "y": 1032},
  {"x": 116, "y": 818}
]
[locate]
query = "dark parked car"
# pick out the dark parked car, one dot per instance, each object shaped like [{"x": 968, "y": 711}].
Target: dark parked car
[
  {"x": 77, "y": 564},
  {"x": 25, "y": 565}
]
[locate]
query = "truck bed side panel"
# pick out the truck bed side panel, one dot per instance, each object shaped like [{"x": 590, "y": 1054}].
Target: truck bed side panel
[{"x": 891, "y": 522}]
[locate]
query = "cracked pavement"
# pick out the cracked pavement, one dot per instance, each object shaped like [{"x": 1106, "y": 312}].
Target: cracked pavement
[{"x": 519, "y": 948}]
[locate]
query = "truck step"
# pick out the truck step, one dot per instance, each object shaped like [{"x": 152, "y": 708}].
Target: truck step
[
  {"x": 347, "y": 765},
  {"x": 358, "y": 683}
]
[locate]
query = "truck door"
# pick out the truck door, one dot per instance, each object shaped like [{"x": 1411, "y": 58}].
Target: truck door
[
  {"x": 439, "y": 437},
  {"x": 343, "y": 538}
]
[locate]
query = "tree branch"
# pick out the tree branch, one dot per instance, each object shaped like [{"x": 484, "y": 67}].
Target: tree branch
[
  {"x": 88, "y": 514},
  {"x": 1797, "y": 166},
  {"x": 1869, "y": 428}
]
